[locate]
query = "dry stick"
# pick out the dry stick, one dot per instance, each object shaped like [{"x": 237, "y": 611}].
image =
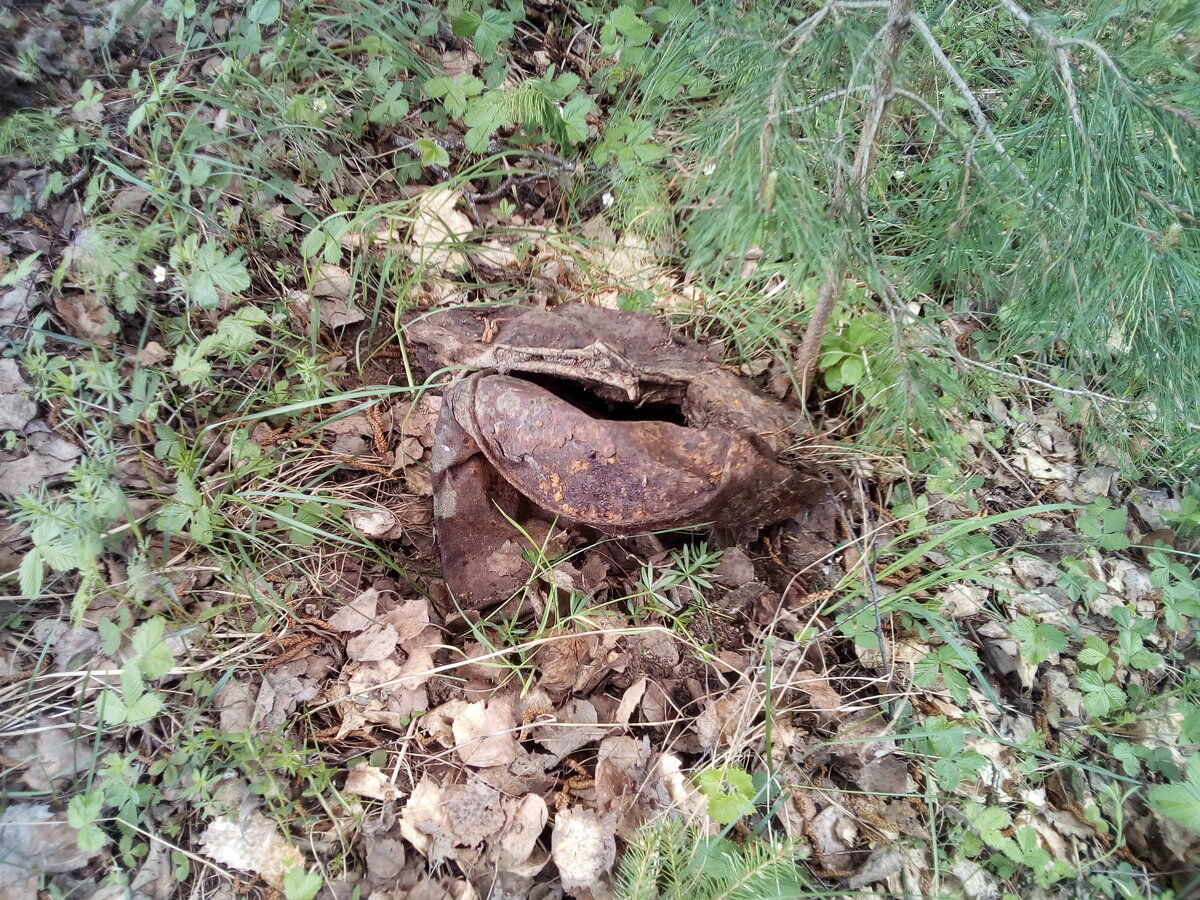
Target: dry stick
[{"x": 854, "y": 200}]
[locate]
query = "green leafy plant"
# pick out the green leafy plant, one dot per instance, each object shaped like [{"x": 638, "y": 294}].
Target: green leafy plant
[
  {"x": 730, "y": 792},
  {"x": 1181, "y": 801}
]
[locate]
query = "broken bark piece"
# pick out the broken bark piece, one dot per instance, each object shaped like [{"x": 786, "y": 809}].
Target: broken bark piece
[
  {"x": 630, "y": 476},
  {"x": 596, "y": 417}
]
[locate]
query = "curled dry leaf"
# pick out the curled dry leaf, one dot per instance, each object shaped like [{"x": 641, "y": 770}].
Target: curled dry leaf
[
  {"x": 525, "y": 823},
  {"x": 358, "y": 613},
  {"x": 583, "y": 847},
  {"x": 437, "y": 228},
  {"x": 368, "y": 781},
  {"x": 372, "y": 644},
  {"x": 424, "y": 822}
]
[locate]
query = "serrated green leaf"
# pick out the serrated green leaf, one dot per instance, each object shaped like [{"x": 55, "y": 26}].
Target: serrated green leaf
[
  {"x": 186, "y": 493},
  {"x": 84, "y": 809},
  {"x": 21, "y": 272},
  {"x": 214, "y": 270},
  {"x": 989, "y": 821},
  {"x": 301, "y": 885},
  {"x": 494, "y": 27},
  {"x": 1144, "y": 660},
  {"x": 236, "y": 332},
  {"x": 1181, "y": 801},
  {"x": 1090, "y": 656},
  {"x": 313, "y": 242},
  {"x": 190, "y": 366},
  {"x": 31, "y": 573},
  {"x": 201, "y": 528},
  {"x": 485, "y": 114},
  {"x": 392, "y": 106},
  {"x": 432, "y": 154},
  {"x": 730, "y": 793},
  {"x": 90, "y": 838},
  {"x": 574, "y": 115},
  {"x": 145, "y": 708},
  {"x": 173, "y": 517},
  {"x": 465, "y": 22},
  {"x": 110, "y": 708},
  {"x": 154, "y": 657},
  {"x": 264, "y": 12},
  {"x": 630, "y": 25},
  {"x": 110, "y": 636}
]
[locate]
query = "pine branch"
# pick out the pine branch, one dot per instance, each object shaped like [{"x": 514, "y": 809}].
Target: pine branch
[{"x": 854, "y": 201}]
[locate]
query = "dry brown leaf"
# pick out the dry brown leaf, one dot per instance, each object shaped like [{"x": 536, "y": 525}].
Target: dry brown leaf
[
  {"x": 52, "y": 752},
  {"x": 560, "y": 661},
  {"x": 250, "y": 842},
  {"x": 373, "y": 644},
  {"x": 385, "y": 859},
  {"x": 368, "y": 781},
  {"x": 823, "y": 700},
  {"x": 88, "y": 317},
  {"x": 152, "y": 354},
  {"x": 584, "y": 848},
  {"x": 358, "y": 613},
  {"x": 72, "y": 645},
  {"x": 333, "y": 281},
  {"x": 833, "y": 834},
  {"x": 48, "y": 455},
  {"x": 338, "y": 313},
  {"x": 886, "y": 775},
  {"x": 414, "y": 623},
  {"x": 17, "y": 407},
  {"x": 419, "y": 481},
  {"x": 622, "y": 788},
  {"x": 35, "y": 841},
  {"x": 237, "y": 707},
  {"x": 19, "y": 301},
  {"x": 526, "y": 819},
  {"x": 484, "y": 733},
  {"x": 424, "y": 822},
  {"x": 496, "y": 255},
  {"x": 438, "y": 226},
  {"x": 475, "y": 812},
  {"x": 630, "y": 700},
  {"x": 574, "y": 727}
]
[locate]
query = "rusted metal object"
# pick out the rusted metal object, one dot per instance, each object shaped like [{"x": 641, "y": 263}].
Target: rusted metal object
[{"x": 590, "y": 416}]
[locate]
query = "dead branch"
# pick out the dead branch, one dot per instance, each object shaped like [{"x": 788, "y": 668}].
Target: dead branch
[{"x": 853, "y": 201}]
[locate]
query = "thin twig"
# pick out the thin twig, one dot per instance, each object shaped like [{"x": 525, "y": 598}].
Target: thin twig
[
  {"x": 1091, "y": 395},
  {"x": 976, "y": 110},
  {"x": 866, "y": 556},
  {"x": 854, "y": 199},
  {"x": 825, "y": 98}
]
